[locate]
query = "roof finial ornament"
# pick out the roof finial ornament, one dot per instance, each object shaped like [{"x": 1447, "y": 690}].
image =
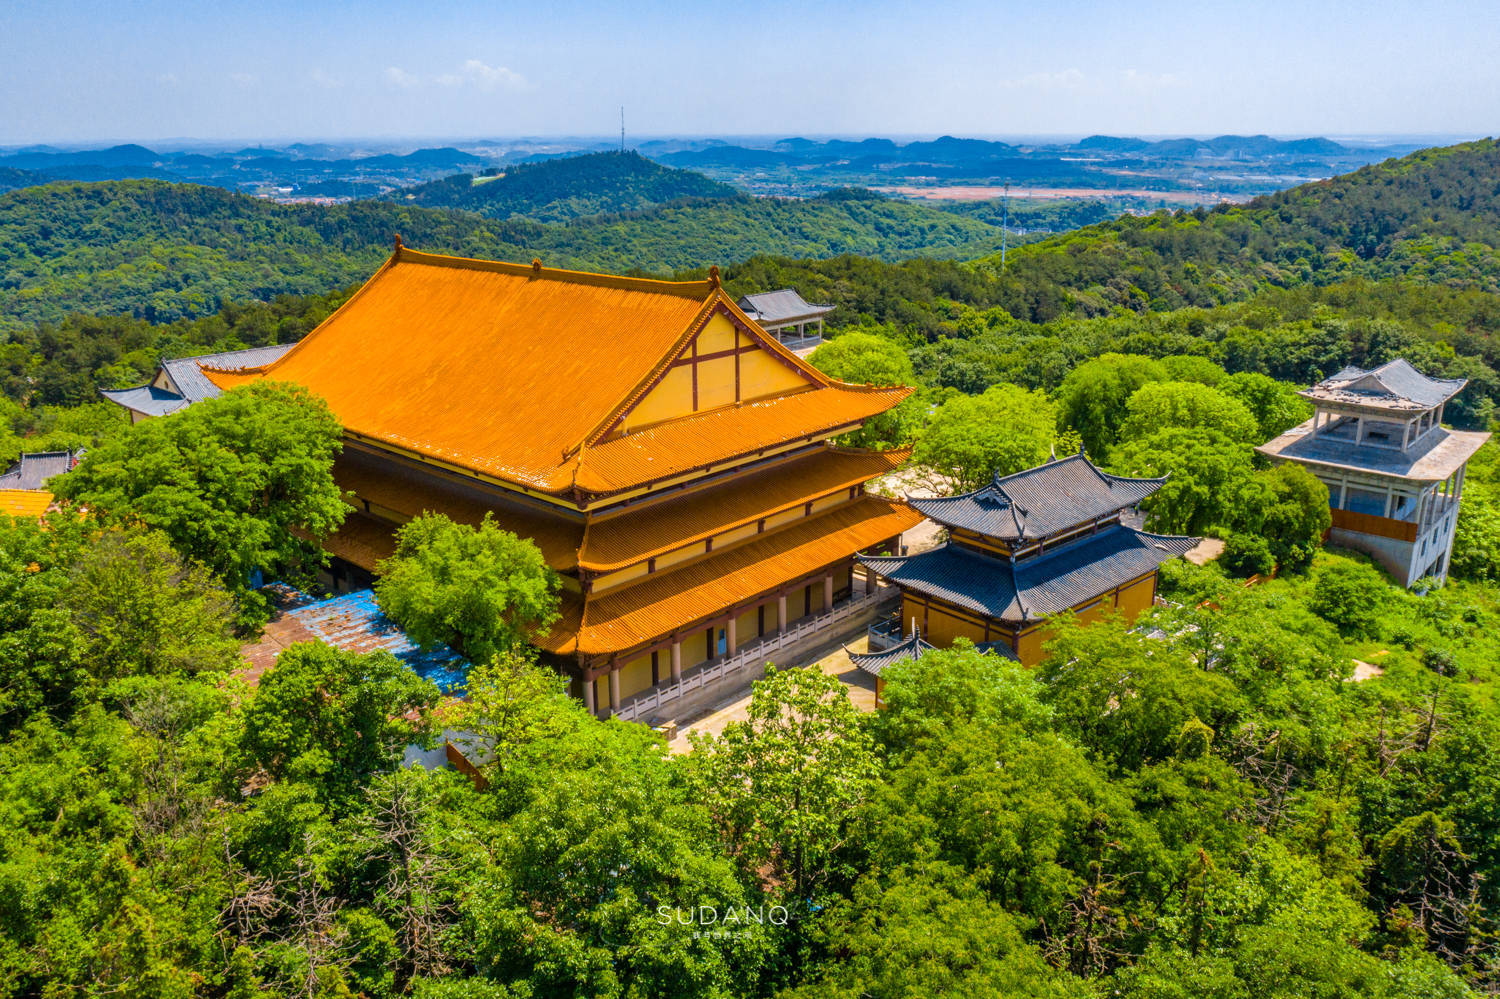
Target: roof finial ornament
[
  {"x": 713, "y": 275},
  {"x": 398, "y": 241},
  {"x": 536, "y": 266},
  {"x": 1052, "y": 452}
]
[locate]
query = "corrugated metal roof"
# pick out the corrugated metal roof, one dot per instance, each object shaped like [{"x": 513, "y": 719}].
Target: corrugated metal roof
[
  {"x": 1041, "y": 501},
  {"x": 636, "y": 534},
  {"x": 353, "y": 622},
  {"x": 35, "y": 470},
  {"x": 781, "y": 305},
  {"x": 623, "y": 618},
  {"x": 1392, "y": 385},
  {"x": 1032, "y": 588}
]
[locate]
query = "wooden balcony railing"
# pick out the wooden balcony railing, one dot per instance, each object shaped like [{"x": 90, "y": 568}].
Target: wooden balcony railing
[{"x": 1380, "y": 527}]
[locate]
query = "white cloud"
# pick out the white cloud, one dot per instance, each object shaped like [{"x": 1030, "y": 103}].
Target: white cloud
[
  {"x": 244, "y": 79},
  {"x": 483, "y": 76},
  {"x": 326, "y": 80},
  {"x": 170, "y": 79},
  {"x": 398, "y": 77}
]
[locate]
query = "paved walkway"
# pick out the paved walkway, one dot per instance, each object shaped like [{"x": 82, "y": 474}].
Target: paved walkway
[{"x": 833, "y": 661}]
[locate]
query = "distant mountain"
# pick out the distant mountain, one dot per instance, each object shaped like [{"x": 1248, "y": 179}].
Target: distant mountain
[
  {"x": 11, "y": 178},
  {"x": 165, "y": 251},
  {"x": 558, "y": 190}
]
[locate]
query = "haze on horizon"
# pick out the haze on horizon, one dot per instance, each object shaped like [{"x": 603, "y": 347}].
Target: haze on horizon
[{"x": 89, "y": 70}]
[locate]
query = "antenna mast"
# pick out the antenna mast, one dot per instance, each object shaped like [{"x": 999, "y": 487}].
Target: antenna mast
[
  {"x": 1004, "y": 226},
  {"x": 622, "y": 128}
]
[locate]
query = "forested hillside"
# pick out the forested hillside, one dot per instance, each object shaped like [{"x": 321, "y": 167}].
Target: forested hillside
[
  {"x": 568, "y": 188},
  {"x": 1433, "y": 215},
  {"x": 164, "y": 251}
]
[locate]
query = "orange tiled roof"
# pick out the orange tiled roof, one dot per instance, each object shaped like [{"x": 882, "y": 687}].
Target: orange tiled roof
[
  {"x": 557, "y": 537},
  {"x": 640, "y": 533},
  {"x": 624, "y": 618},
  {"x": 20, "y": 503},
  {"x": 514, "y": 371}
]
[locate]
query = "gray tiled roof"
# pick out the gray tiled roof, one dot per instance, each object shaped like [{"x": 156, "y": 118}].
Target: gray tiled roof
[
  {"x": 187, "y": 372},
  {"x": 1032, "y": 588},
  {"x": 33, "y": 470},
  {"x": 147, "y": 399},
  {"x": 1436, "y": 456},
  {"x": 912, "y": 647},
  {"x": 1040, "y": 501},
  {"x": 779, "y": 306},
  {"x": 1392, "y": 385}
]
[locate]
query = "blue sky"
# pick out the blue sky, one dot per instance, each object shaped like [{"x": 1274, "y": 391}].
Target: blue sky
[{"x": 79, "y": 70}]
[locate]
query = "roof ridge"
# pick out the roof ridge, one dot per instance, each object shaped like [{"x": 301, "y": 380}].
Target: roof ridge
[{"x": 685, "y": 289}]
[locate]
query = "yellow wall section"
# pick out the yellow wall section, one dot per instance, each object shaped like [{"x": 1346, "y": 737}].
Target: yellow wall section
[
  {"x": 715, "y": 383},
  {"x": 672, "y": 397},
  {"x": 718, "y": 334},
  {"x": 635, "y": 676},
  {"x": 763, "y": 375},
  {"x": 760, "y": 375},
  {"x": 625, "y": 575}
]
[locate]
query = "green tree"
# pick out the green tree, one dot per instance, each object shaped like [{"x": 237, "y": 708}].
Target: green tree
[
  {"x": 1288, "y": 506},
  {"x": 1205, "y": 472},
  {"x": 971, "y": 439},
  {"x": 332, "y": 718},
  {"x": 238, "y": 483},
  {"x": 482, "y": 590},
  {"x": 1160, "y": 405},
  {"x": 1349, "y": 595},
  {"x": 783, "y": 782},
  {"x": 927, "y": 933},
  {"x": 1275, "y": 405},
  {"x": 864, "y": 358},
  {"x": 1093, "y": 396},
  {"x": 141, "y": 609}
]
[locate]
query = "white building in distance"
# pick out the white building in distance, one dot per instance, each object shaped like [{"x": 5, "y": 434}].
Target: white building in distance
[{"x": 1394, "y": 473}]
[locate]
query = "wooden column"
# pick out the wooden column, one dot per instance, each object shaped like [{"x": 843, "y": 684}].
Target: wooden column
[
  {"x": 869, "y": 581},
  {"x": 614, "y": 690},
  {"x": 827, "y": 593},
  {"x": 729, "y": 636},
  {"x": 588, "y": 695},
  {"x": 781, "y": 613},
  {"x": 676, "y": 661}
]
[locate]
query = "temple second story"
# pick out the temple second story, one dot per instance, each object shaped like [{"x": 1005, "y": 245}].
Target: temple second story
[
  {"x": 1026, "y": 547},
  {"x": 1394, "y": 473}
]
